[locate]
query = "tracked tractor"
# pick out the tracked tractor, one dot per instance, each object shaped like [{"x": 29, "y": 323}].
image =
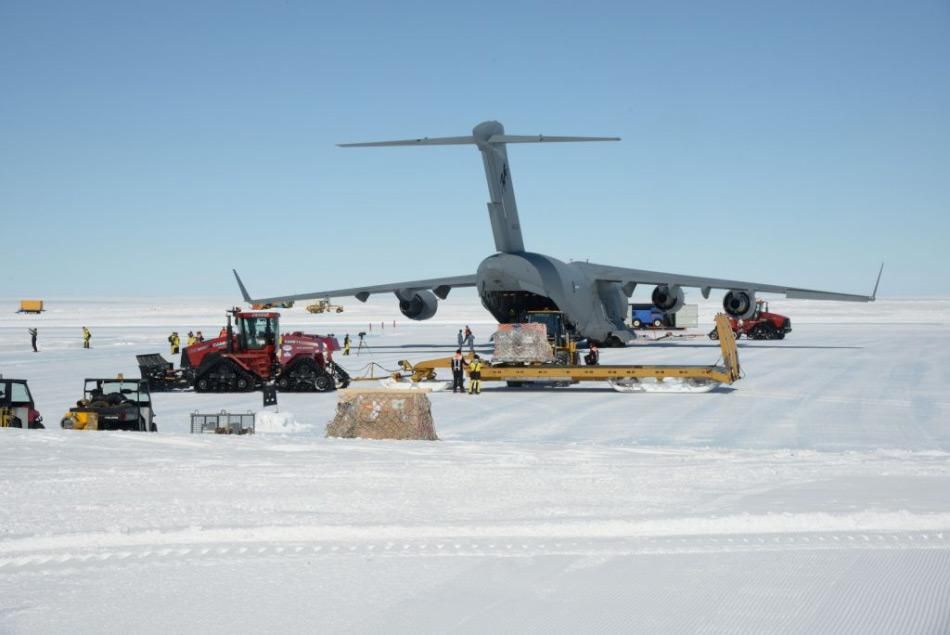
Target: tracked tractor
[
  {"x": 249, "y": 354},
  {"x": 762, "y": 325}
]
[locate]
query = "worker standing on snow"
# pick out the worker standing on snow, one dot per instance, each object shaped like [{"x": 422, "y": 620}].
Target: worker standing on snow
[
  {"x": 593, "y": 356},
  {"x": 174, "y": 342},
  {"x": 33, "y": 339},
  {"x": 86, "y": 336},
  {"x": 346, "y": 344},
  {"x": 475, "y": 376},
  {"x": 458, "y": 371},
  {"x": 470, "y": 339},
  {"x": 199, "y": 337},
  {"x": 461, "y": 339},
  {"x": 191, "y": 339}
]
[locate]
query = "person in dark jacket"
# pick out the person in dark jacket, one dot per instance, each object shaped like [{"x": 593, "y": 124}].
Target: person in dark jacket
[
  {"x": 593, "y": 356},
  {"x": 33, "y": 339},
  {"x": 458, "y": 372}
]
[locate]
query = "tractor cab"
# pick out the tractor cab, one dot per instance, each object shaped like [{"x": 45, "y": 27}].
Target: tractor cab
[
  {"x": 250, "y": 348},
  {"x": 761, "y": 306},
  {"x": 560, "y": 334},
  {"x": 16, "y": 405},
  {"x": 257, "y": 330}
]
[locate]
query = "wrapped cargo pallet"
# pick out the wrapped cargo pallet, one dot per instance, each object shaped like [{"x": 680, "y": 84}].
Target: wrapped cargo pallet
[
  {"x": 383, "y": 414},
  {"x": 522, "y": 343}
]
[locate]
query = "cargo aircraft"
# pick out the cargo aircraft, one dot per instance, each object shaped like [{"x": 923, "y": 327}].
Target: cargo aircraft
[{"x": 514, "y": 281}]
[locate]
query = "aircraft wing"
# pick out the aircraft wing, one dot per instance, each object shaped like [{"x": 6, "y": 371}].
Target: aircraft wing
[
  {"x": 439, "y": 286},
  {"x": 629, "y": 278}
]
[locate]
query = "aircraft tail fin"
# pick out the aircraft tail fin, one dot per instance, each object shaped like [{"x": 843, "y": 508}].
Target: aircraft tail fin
[{"x": 491, "y": 140}]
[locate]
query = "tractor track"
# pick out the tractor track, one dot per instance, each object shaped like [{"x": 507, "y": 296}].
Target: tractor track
[{"x": 177, "y": 549}]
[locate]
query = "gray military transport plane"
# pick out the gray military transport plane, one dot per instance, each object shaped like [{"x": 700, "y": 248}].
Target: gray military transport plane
[{"x": 593, "y": 297}]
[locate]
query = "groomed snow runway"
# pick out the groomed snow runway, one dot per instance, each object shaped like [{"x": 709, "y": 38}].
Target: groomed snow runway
[{"x": 813, "y": 496}]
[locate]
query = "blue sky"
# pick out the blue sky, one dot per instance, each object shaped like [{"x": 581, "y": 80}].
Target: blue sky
[{"x": 149, "y": 147}]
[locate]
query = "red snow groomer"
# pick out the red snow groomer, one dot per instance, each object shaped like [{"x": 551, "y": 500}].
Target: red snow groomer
[
  {"x": 761, "y": 325},
  {"x": 249, "y": 354}
]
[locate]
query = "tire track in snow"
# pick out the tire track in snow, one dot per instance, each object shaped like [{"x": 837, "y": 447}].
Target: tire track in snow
[{"x": 498, "y": 546}]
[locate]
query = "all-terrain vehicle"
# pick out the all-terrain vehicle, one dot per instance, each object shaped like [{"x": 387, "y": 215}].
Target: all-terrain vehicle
[
  {"x": 17, "y": 409},
  {"x": 112, "y": 404},
  {"x": 762, "y": 325}
]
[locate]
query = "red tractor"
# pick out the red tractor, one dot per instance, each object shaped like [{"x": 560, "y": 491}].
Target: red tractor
[
  {"x": 761, "y": 325},
  {"x": 249, "y": 354}
]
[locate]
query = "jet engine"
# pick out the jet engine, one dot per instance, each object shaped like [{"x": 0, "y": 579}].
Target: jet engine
[
  {"x": 739, "y": 304},
  {"x": 669, "y": 299},
  {"x": 417, "y": 304}
]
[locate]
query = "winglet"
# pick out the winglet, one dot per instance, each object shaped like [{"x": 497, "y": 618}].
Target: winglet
[
  {"x": 247, "y": 297},
  {"x": 874, "y": 293}
]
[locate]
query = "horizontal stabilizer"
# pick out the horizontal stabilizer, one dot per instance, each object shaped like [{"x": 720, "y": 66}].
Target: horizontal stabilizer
[
  {"x": 513, "y": 138},
  {"x": 456, "y": 141},
  {"x": 490, "y": 139},
  {"x": 425, "y": 141}
]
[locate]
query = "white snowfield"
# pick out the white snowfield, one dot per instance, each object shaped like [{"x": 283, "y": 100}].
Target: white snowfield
[{"x": 812, "y": 496}]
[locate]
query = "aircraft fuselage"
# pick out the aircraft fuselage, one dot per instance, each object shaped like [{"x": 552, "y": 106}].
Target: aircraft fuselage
[{"x": 510, "y": 284}]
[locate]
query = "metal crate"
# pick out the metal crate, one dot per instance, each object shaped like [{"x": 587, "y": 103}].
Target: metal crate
[{"x": 222, "y": 423}]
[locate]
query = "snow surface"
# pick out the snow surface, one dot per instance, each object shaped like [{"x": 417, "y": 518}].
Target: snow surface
[{"x": 811, "y": 496}]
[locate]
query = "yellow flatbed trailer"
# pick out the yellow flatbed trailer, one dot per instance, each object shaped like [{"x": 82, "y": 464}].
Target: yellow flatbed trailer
[{"x": 624, "y": 378}]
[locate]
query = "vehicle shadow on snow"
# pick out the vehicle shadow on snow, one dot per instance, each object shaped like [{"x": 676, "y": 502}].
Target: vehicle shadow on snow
[
  {"x": 723, "y": 390},
  {"x": 742, "y": 344}
]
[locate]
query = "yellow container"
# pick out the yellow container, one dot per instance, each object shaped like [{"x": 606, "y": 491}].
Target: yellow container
[{"x": 31, "y": 306}]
